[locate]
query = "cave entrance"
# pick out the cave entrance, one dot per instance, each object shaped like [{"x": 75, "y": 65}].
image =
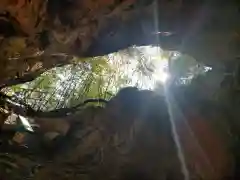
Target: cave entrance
[{"x": 145, "y": 67}]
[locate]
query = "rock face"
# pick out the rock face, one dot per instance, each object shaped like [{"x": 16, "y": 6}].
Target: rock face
[
  {"x": 132, "y": 138},
  {"x": 36, "y": 33},
  {"x": 208, "y": 31}
]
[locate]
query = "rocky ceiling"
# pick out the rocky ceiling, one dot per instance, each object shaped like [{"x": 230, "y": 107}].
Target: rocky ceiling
[{"x": 40, "y": 34}]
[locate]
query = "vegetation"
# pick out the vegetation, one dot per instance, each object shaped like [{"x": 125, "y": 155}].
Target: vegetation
[{"x": 102, "y": 77}]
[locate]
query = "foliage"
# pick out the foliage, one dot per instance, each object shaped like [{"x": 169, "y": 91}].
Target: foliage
[
  {"x": 102, "y": 77},
  {"x": 98, "y": 77}
]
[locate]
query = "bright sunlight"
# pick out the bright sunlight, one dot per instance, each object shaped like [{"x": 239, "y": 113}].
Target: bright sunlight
[{"x": 145, "y": 67}]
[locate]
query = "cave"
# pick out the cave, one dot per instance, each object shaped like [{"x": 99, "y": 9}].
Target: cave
[{"x": 39, "y": 35}]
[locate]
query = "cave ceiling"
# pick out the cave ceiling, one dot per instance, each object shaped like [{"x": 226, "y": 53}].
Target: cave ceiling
[{"x": 207, "y": 30}]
